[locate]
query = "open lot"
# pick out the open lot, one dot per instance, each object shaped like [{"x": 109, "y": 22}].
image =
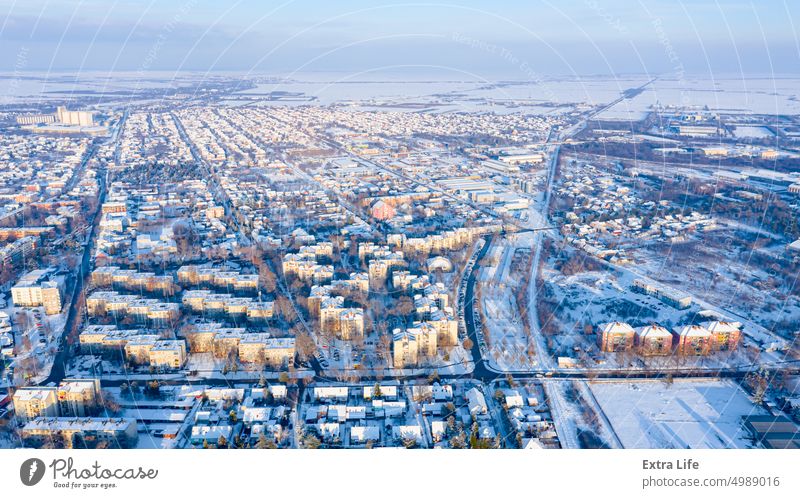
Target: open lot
[{"x": 692, "y": 414}]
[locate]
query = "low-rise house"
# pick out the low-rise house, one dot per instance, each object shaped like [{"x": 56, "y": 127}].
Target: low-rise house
[
  {"x": 407, "y": 433},
  {"x": 255, "y": 414},
  {"x": 477, "y": 402},
  {"x": 438, "y": 430},
  {"x": 513, "y": 398},
  {"x": 363, "y": 434},
  {"x": 329, "y": 431},
  {"x": 331, "y": 393},
  {"x": 210, "y": 434},
  {"x": 386, "y": 392}
]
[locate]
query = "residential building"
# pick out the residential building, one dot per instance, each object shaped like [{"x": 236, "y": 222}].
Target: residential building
[
  {"x": 405, "y": 349},
  {"x": 34, "y": 402},
  {"x": 693, "y": 340},
  {"x": 36, "y": 289},
  {"x": 653, "y": 340},
  {"x": 116, "y": 432},
  {"x": 78, "y": 397},
  {"x": 169, "y": 354},
  {"x": 615, "y": 337},
  {"x": 149, "y": 350},
  {"x": 477, "y": 402},
  {"x": 351, "y": 324},
  {"x": 725, "y": 336},
  {"x": 261, "y": 348}
]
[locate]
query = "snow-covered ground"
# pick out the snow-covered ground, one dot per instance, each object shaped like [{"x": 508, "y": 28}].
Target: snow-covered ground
[
  {"x": 508, "y": 339},
  {"x": 605, "y": 295},
  {"x": 751, "y": 95},
  {"x": 689, "y": 414},
  {"x": 723, "y": 282},
  {"x": 564, "y": 415},
  {"x": 752, "y": 132},
  {"x": 42, "y": 333}
]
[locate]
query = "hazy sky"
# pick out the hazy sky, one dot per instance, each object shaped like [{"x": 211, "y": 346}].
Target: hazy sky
[{"x": 523, "y": 39}]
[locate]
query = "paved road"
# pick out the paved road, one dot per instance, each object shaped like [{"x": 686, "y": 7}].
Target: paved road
[
  {"x": 484, "y": 376},
  {"x": 480, "y": 372},
  {"x": 57, "y": 372}
]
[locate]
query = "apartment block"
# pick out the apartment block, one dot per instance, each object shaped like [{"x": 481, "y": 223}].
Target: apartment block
[
  {"x": 116, "y": 432},
  {"x": 615, "y": 337},
  {"x": 405, "y": 349},
  {"x": 36, "y": 288},
  {"x": 34, "y": 402}
]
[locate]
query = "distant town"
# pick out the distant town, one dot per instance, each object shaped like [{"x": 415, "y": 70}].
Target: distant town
[{"x": 240, "y": 263}]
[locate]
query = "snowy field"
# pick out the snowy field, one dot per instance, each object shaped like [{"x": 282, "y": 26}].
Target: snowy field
[
  {"x": 751, "y": 95},
  {"x": 752, "y": 132},
  {"x": 697, "y": 414}
]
